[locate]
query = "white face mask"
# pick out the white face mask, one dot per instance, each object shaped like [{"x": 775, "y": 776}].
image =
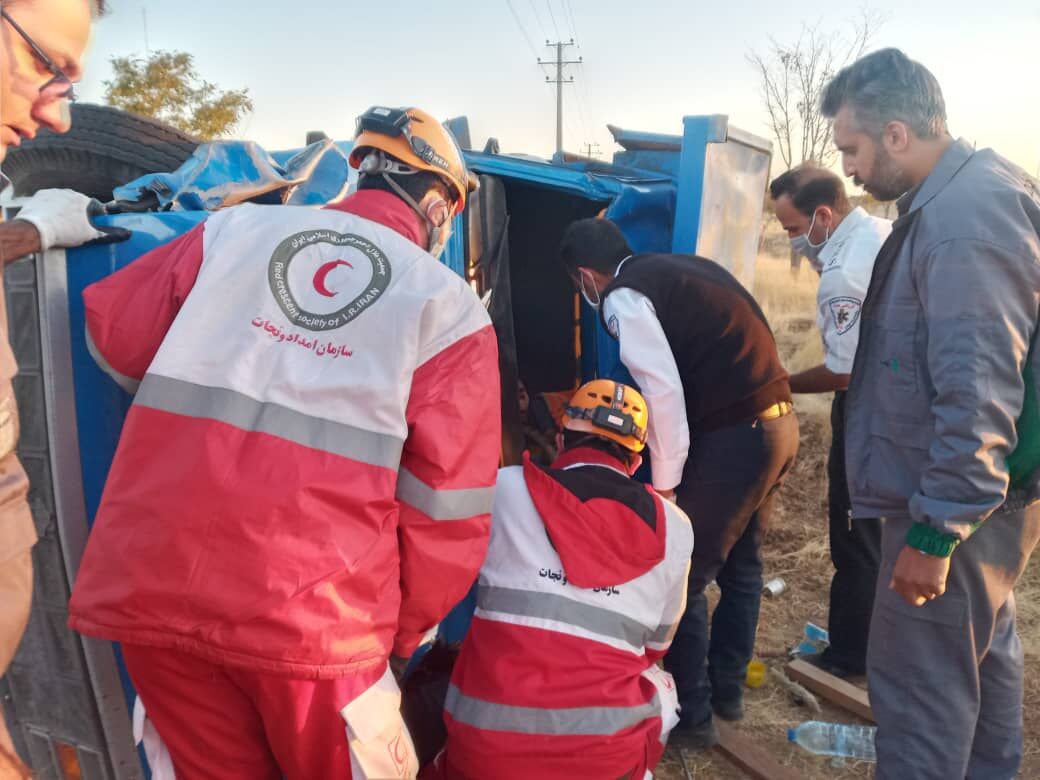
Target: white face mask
[
  {"x": 803, "y": 246},
  {"x": 438, "y": 235},
  {"x": 584, "y": 293}
]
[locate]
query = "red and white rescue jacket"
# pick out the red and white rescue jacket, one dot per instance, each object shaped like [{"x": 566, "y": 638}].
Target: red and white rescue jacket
[
  {"x": 304, "y": 480},
  {"x": 581, "y": 592}
]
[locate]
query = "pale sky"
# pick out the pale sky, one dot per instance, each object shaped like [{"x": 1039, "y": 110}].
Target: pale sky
[{"x": 316, "y": 64}]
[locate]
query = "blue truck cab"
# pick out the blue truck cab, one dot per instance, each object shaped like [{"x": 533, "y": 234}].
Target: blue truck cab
[{"x": 67, "y": 698}]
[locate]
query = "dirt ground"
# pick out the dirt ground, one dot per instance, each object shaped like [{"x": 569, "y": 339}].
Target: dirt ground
[{"x": 795, "y": 548}]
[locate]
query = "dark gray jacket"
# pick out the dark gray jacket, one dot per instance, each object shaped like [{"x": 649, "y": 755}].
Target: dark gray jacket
[{"x": 938, "y": 387}]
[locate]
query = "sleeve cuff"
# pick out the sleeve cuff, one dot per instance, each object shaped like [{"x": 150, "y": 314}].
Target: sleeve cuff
[
  {"x": 406, "y": 644},
  {"x": 837, "y": 365},
  {"x": 930, "y": 541},
  {"x": 667, "y": 472}
]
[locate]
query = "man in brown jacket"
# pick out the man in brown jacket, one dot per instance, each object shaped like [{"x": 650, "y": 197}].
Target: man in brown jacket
[{"x": 41, "y": 46}]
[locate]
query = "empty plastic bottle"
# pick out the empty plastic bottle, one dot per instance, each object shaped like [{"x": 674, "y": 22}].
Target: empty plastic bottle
[
  {"x": 816, "y": 634},
  {"x": 816, "y": 639},
  {"x": 835, "y": 739}
]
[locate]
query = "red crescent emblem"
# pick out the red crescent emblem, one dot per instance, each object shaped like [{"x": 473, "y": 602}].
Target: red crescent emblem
[
  {"x": 398, "y": 752},
  {"x": 322, "y": 275}
]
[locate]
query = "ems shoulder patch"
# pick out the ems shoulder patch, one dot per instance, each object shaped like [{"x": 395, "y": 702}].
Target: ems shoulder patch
[{"x": 845, "y": 312}]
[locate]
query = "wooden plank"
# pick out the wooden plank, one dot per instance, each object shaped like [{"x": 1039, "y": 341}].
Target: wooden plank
[
  {"x": 835, "y": 690},
  {"x": 749, "y": 757}
]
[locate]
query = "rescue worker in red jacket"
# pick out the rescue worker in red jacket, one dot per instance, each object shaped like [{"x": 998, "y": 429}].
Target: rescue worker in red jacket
[
  {"x": 303, "y": 484},
  {"x": 580, "y": 595}
]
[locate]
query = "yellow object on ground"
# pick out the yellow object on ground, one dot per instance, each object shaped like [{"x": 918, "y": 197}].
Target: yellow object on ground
[{"x": 756, "y": 674}]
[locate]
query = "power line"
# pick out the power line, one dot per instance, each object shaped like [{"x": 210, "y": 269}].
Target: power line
[
  {"x": 520, "y": 26},
  {"x": 538, "y": 20},
  {"x": 144, "y": 18},
  {"x": 569, "y": 12},
  {"x": 530, "y": 45},
  {"x": 584, "y": 92},
  {"x": 584, "y": 104},
  {"x": 589, "y": 151},
  {"x": 552, "y": 16},
  {"x": 560, "y": 62},
  {"x": 581, "y": 113}
]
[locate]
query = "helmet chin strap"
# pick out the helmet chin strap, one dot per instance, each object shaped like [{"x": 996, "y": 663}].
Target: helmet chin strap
[{"x": 378, "y": 163}]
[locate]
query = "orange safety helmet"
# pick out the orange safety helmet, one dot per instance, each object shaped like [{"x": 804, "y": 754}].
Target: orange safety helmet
[
  {"x": 416, "y": 139},
  {"x": 611, "y": 410}
]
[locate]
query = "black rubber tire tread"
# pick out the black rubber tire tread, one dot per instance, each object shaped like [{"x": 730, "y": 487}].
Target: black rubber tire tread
[{"x": 105, "y": 148}]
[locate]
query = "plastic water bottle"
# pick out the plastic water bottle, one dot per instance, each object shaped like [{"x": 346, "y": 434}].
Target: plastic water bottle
[
  {"x": 835, "y": 739},
  {"x": 816, "y": 640}
]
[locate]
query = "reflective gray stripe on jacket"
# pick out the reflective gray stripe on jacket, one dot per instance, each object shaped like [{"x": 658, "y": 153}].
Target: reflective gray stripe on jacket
[
  {"x": 937, "y": 385},
  {"x": 548, "y": 721}
]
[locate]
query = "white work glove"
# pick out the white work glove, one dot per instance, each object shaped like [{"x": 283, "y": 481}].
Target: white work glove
[{"x": 62, "y": 218}]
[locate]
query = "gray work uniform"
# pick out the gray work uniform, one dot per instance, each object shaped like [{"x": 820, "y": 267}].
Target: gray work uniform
[{"x": 935, "y": 395}]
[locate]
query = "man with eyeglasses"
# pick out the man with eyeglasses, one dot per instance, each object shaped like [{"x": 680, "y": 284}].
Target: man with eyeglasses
[
  {"x": 41, "y": 49},
  {"x": 41, "y": 46}
]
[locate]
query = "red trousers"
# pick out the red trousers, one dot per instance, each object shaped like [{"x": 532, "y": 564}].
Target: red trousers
[{"x": 221, "y": 723}]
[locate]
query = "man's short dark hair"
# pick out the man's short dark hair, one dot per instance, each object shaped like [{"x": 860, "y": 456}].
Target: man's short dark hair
[
  {"x": 809, "y": 187},
  {"x": 594, "y": 243},
  {"x": 887, "y": 86},
  {"x": 572, "y": 439},
  {"x": 415, "y": 184}
]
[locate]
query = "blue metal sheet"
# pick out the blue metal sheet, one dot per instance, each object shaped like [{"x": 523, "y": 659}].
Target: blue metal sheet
[
  {"x": 100, "y": 404},
  {"x": 631, "y": 140},
  {"x": 594, "y": 185},
  {"x": 721, "y": 187},
  {"x": 698, "y": 132},
  {"x": 663, "y": 162}
]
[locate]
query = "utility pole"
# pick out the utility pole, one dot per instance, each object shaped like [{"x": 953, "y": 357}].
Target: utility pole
[
  {"x": 559, "y": 81},
  {"x": 591, "y": 149}
]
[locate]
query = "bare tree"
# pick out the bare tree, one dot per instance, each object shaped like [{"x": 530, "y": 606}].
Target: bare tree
[{"x": 793, "y": 77}]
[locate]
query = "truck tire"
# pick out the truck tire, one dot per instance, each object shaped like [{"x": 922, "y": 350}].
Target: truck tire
[{"x": 105, "y": 148}]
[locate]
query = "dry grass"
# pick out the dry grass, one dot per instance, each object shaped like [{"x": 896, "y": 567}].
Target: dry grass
[{"x": 796, "y": 549}]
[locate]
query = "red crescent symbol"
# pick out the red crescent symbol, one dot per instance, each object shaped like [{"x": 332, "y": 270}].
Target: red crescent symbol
[
  {"x": 400, "y": 752},
  {"x": 322, "y": 274}
]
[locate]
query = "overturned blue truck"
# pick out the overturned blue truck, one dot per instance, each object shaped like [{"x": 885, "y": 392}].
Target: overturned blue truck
[{"x": 67, "y": 698}]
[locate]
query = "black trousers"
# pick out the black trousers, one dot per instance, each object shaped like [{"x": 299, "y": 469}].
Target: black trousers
[
  {"x": 728, "y": 489},
  {"x": 856, "y": 554}
]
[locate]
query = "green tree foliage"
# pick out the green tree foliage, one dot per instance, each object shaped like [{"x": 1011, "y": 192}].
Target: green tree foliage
[{"x": 165, "y": 86}]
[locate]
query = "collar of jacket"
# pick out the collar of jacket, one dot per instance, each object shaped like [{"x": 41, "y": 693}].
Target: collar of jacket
[
  {"x": 386, "y": 209},
  {"x": 607, "y": 528},
  {"x": 848, "y": 225},
  {"x": 622, "y": 265},
  {"x": 588, "y": 456},
  {"x": 949, "y": 165}
]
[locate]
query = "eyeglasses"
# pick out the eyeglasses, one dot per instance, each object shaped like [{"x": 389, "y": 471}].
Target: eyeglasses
[{"x": 60, "y": 85}]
